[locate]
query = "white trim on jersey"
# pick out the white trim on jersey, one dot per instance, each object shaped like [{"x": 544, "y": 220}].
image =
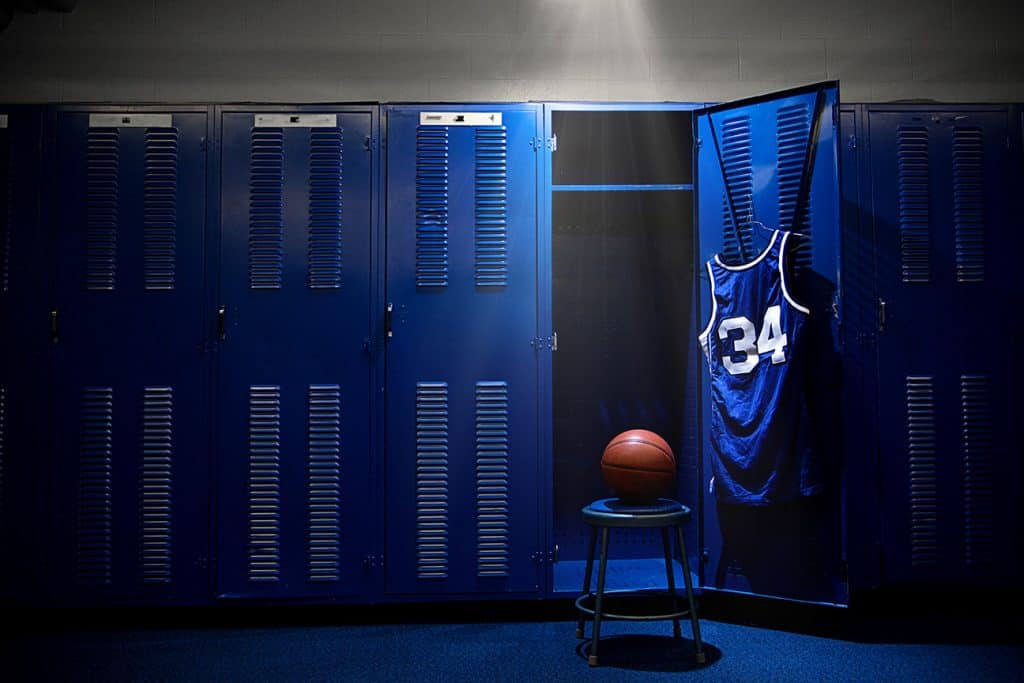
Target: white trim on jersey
[
  {"x": 751, "y": 264},
  {"x": 782, "y": 277},
  {"x": 704, "y": 336}
]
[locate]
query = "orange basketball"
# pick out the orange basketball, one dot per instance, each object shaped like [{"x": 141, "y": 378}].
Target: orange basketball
[{"x": 639, "y": 466}]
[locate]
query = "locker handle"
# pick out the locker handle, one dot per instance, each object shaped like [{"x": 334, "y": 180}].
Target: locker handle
[
  {"x": 881, "y": 315},
  {"x": 221, "y": 329},
  {"x": 388, "y": 311},
  {"x": 54, "y": 336}
]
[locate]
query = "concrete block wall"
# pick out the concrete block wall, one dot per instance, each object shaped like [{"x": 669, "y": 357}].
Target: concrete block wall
[{"x": 466, "y": 50}]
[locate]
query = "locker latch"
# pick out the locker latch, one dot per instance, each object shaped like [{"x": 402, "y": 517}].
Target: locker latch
[
  {"x": 373, "y": 562},
  {"x": 54, "y": 330}
]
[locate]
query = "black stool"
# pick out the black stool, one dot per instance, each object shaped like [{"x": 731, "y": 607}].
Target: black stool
[{"x": 663, "y": 514}]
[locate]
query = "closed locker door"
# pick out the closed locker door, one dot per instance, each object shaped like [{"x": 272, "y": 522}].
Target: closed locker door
[
  {"x": 294, "y": 487},
  {"x": 463, "y": 484},
  {"x": 24, "y": 371},
  {"x": 947, "y": 245},
  {"x": 131, "y": 464}
]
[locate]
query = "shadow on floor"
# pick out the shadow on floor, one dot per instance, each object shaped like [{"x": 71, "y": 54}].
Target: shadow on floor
[{"x": 642, "y": 652}]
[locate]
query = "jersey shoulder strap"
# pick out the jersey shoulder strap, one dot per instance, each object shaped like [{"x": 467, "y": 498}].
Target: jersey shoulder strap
[{"x": 781, "y": 258}]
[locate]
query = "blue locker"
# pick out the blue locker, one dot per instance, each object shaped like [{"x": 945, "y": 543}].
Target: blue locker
[
  {"x": 463, "y": 480},
  {"x": 754, "y": 163},
  {"x": 947, "y": 239},
  {"x": 131, "y": 479},
  {"x": 295, "y": 509},
  {"x": 24, "y": 361},
  {"x": 620, "y": 229},
  {"x": 860, "y": 356}
]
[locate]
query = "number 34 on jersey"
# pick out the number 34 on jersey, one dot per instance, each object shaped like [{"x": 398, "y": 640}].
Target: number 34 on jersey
[{"x": 748, "y": 346}]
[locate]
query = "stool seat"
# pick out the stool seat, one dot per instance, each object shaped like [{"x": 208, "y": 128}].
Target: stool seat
[
  {"x": 615, "y": 513},
  {"x": 664, "y": 514}
]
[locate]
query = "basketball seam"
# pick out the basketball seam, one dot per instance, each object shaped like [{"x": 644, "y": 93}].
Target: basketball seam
[
  {"x": 643, "y": 441},
  {"x": 635, "y": 469}
]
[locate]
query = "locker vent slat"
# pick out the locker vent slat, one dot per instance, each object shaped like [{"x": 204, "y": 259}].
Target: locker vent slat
[
  {"x": 266, "y": 207},
  {"x": 969, "y": 203},
  {"x": 793, "y": 133},
  {"x": 921, "y": 451},
  {"x": 160, "y": 207},
  {"x": 95, "y": 486},
  {"x": 432, "y": 480},
  {"x": 102, "y": 162},
  {"x": 978, "y": 470},
  {"x": 157, "y": 481},
  {"x": 324, "y": 488},
  {"x": 912, "y": 171},
  {"x": 325, "y": 188},
  {"x": 432, "y": 206},
  {"x": 6, "y": 206},
  {"x": 738, "y": 170},
  {"x": 491, "y": 207},
  {"x": 492, "y": 478},
  {"x": 264, "y": 483}
]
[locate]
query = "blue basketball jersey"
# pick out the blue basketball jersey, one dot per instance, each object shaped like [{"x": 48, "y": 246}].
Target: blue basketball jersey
[{"x": 752, "y": 344}]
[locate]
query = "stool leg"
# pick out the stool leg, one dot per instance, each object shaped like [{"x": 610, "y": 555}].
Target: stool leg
[
  {"x": 601, "y": 571},
  {"x": 667, "y": 546},
  {"x": 689, "y": 596},
  {"x": 587, "y": 576}
]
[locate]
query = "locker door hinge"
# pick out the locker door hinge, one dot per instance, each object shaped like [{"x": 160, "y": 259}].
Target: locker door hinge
[
  {"x": 545, "y": 343},
  {"x": 373, "y": 562},
  {"x": 539, "y": 143},
  {"x": 542, "y": 557}
]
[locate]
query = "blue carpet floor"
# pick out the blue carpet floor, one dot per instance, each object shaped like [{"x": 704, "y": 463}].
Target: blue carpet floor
[{"x": 469, "y": 651}]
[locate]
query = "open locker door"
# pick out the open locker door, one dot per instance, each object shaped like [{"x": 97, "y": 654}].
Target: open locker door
[{"x": 764, "y": 164}]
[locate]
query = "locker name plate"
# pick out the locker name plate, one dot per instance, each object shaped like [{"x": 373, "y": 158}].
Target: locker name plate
[
  {"x": 3, "y": 120},
  {"x": 456, "y": 118},
  {"x": 295, "y": 121},
  {"x": 130, "y": 121}
]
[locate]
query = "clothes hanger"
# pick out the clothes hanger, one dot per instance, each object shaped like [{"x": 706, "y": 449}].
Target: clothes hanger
[{"x": 761, "y": 225}]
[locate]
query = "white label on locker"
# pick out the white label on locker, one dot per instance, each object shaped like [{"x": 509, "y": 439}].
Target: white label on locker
[
  {"x": 296, "y": 121},
  {"x": 455, "y": 118},
  {"x": 130, "y": 121},
  {"x": 3, "y": 120}
]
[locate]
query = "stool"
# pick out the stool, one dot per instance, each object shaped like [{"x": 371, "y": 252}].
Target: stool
[{"x": 662, "y": 514}]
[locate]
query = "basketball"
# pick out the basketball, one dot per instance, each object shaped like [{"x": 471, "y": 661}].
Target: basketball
[{"x": 639, "y": 466}]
